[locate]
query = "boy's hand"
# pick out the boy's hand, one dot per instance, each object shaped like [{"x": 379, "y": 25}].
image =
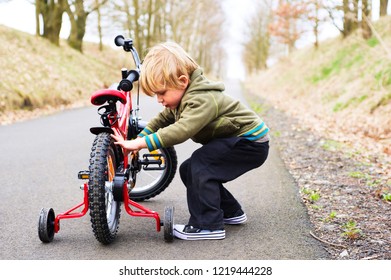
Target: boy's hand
[{"x": 129, "y": 145}]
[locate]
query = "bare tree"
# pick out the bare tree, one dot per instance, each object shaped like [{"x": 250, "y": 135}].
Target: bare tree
[
  {"x": 353, "y": 14},
  {"x": 51, "y": 13},
  {"x": 285, "y": 25},
  {"x": 141, "y": 19},
  {"x": 257, "y": 44},
  {"x": 366, "y": 17},
  {"x": 316, "y": 16},
  {"x": 78, "y": 11},
  {"x": 99, "y": 25},
  {"x": 383, "y": 7},
  {"x": 195, "y": 24}
]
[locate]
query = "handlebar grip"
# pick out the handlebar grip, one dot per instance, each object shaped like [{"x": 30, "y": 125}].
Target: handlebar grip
[
  {"x": 127, "y": 84},
  {"x": 127, "y": 44},
  {"x": 119, "y": 41}
]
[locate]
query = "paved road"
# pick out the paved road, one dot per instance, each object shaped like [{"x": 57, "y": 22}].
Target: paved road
[{"x": 39, "y": 163}]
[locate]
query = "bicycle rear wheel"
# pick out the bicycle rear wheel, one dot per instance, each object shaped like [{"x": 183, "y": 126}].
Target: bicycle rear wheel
[
  {"x": 104, "y": 210},
  {"x": 150, "y": 183}
]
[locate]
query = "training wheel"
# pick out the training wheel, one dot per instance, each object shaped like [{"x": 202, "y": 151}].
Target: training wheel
[
  {"x": 168, "y": 223},
  {"x": 46, "y": 225}
]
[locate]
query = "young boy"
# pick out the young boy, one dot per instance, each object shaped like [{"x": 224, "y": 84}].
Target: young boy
[{"x": 234, "y": 138}]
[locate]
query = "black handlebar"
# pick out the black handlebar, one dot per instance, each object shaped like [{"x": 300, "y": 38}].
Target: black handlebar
[
  {"x": 126, "y": 84},
  {"x": 120, "y": 41}
]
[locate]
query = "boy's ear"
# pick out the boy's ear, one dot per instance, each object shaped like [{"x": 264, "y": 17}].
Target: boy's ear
[{"x": 184, "y": 81}]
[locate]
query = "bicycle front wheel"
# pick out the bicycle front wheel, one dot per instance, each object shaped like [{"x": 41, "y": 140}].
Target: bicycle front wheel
[
  {"x": 150, "y": 182},
  {"x": 104, "y": 210}
]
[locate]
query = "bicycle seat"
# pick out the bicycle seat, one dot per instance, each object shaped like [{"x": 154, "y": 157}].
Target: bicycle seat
[{"x": 104, "y": 95}]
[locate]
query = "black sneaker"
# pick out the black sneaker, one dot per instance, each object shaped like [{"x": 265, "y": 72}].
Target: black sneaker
[
  {"x": 236, "y": 219},
  {"x": 187, "y": 232}
]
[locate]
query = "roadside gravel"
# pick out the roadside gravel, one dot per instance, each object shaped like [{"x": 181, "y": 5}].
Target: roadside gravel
[{"x": 343, "y": 192}]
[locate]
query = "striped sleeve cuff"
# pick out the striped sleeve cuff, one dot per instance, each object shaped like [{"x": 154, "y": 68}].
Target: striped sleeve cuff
[
  {"x": 153, "y": 142},
  {"x": 256, "y": 133},
  {"x": 146, "y": 131}
]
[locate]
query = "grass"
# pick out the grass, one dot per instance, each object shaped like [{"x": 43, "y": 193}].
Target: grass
[
  {"x": 258, "y": 108},
  {"x": 339, "y": 106},
  {"x": 386, "y": 196},
  {"x": 332, "y": 145},
  {"x": 331, "y": 217},
  {"x": 37, "y": 74},
  {"x": 372, "y": 42},
  {"x": 351, "y": 230},
  {"x": 345, "y": 83},
  {"x": 312, "y": 195},
  {"x": 342, "y": 60}
]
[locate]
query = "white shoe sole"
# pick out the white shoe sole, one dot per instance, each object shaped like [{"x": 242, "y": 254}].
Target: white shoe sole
[
  {"x": 207, "y": 235},
  {"x": 236, "y": 220}
]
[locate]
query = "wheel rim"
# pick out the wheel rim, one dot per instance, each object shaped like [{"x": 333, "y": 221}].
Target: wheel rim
[{"x": 111, "y": 204}]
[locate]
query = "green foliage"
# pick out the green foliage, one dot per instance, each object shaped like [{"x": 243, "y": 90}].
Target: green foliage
[
  {"x": 374, "y": 182},
  {"x": 383, "y": 77},
  {"x": 330, "y": 217},
  {"x": 342, "y": 59},
  {"x": 276, "y": 133},
  {"x": 357, "y": 174},
  {"x": 326, "y": 71},
  {"x": 386, "y": 196},
  {"x": 350, "y": 230},
  {"x": 331, "y": 145},
  {"x": 351, "y": 102},
  {"x": 312, "y": 195},
  {"x": 372, "y": 42},
  {"x": 258, "y": 107}
]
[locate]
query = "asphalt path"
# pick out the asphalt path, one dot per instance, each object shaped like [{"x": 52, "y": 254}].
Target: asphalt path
[{"x": 40, "y": 160}]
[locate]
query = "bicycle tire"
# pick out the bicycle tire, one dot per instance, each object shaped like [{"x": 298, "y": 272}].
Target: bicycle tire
[
  {"x": 143, "y": 191},
  {"x": 104, "y": 210},
  {"x": 46, "y": 225}
]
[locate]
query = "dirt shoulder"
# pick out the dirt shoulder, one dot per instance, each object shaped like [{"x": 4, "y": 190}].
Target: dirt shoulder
[{"x": 344, "y": 193}]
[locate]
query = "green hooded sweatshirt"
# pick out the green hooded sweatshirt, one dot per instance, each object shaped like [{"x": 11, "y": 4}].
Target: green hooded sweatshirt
[{"x": 204, "y": 113}]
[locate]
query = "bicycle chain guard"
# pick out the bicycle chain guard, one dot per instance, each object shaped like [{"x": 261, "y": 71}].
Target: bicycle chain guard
[{"x": 118, "y": 185}]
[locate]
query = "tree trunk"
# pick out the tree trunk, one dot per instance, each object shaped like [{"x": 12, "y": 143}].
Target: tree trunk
[
  {"x": 37, "y": 13},
  {"x": 137, "y": 38},
  {"x": 383, "y": 7},
  {"x": 51, "y": 12},
  {"x": 78, "y": 19},
  {"x": 366, "y": 11},
  {"x": 99, "y": 26},
  {"x": 316, "y": 23},
  {"x": 350, "y": 21}
]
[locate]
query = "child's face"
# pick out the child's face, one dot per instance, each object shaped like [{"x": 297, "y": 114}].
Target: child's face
[{"x": 170, "y": 98}]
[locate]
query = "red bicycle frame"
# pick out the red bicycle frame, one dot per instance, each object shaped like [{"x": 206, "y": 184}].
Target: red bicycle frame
[{"x": 119, "y": 121}]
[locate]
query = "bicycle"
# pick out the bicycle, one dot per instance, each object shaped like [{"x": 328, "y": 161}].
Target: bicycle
[{"x": 112, "y": 173}]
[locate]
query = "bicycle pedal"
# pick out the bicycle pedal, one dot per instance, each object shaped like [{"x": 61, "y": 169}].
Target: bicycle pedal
[{"x": 83, "y": 175}]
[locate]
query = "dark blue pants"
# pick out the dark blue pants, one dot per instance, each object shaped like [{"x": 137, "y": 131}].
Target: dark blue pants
[{"x": 204, "y": 173}]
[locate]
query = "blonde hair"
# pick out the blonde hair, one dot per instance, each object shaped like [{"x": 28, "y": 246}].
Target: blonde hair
[{"x": 162, "y": 67}]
